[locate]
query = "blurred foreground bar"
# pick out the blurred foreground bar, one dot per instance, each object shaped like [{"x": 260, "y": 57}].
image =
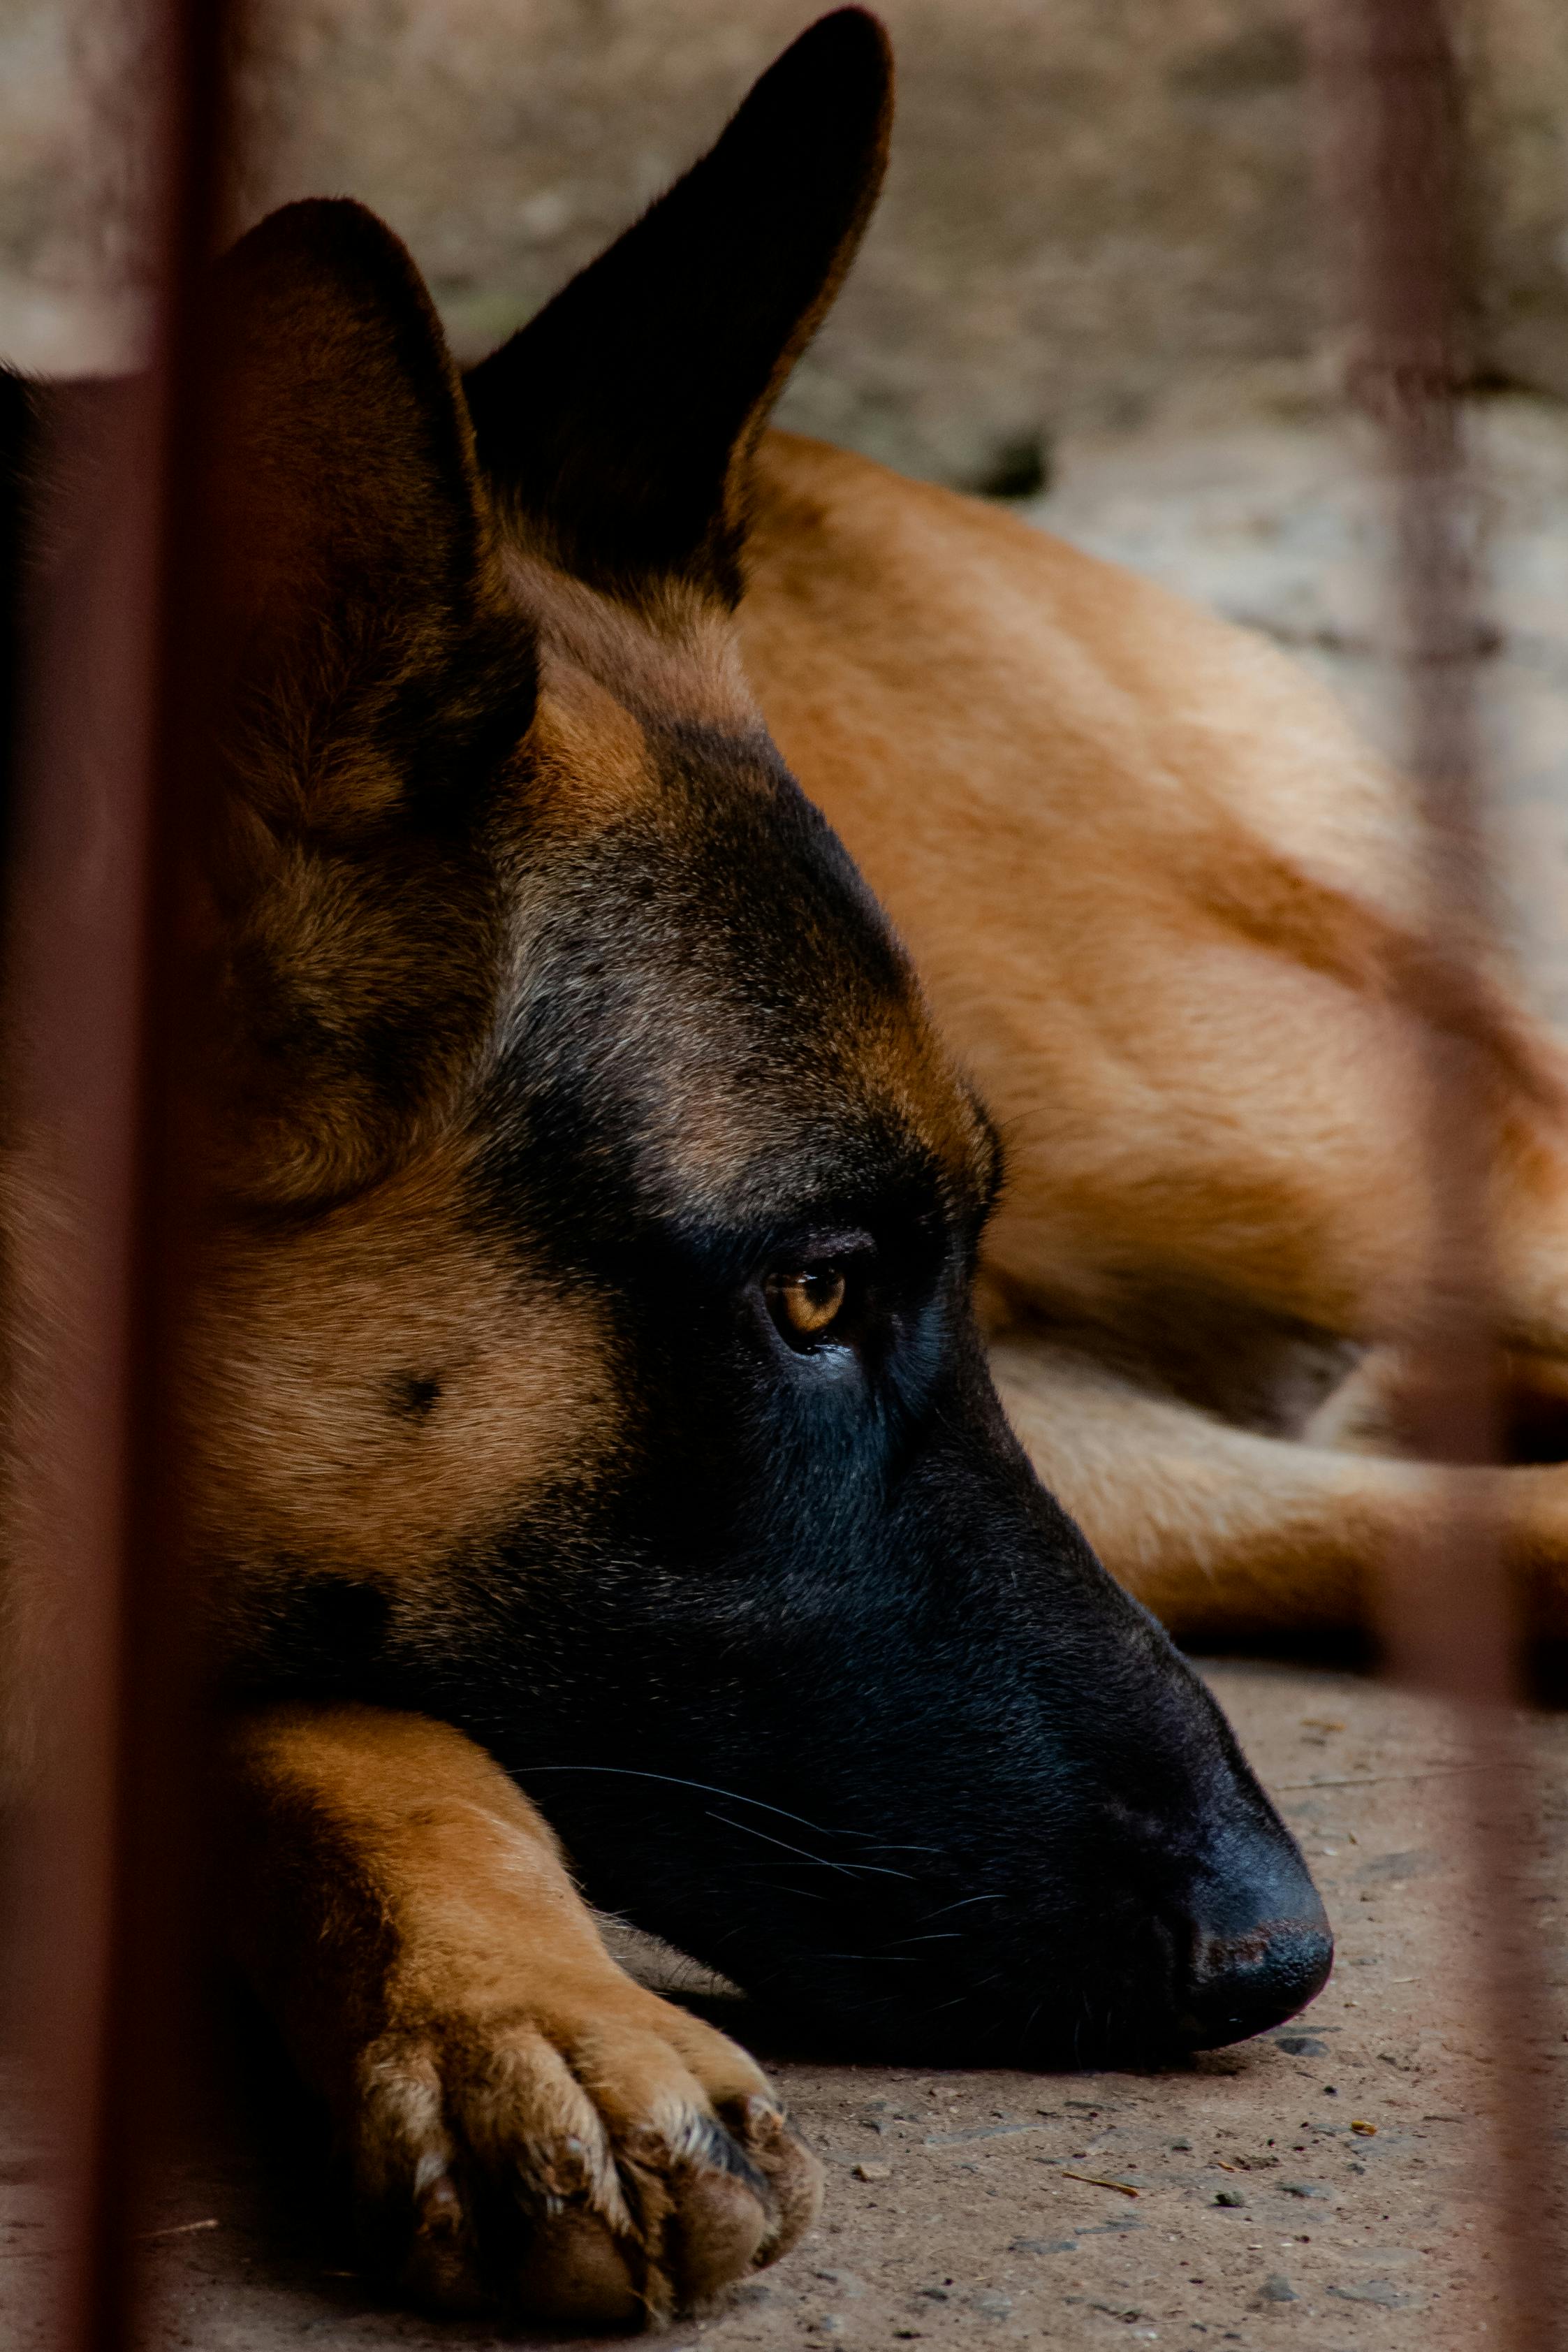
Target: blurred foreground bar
[
  {"x": 111, "y": 776},
  {"x": 1395, "y": 152}
]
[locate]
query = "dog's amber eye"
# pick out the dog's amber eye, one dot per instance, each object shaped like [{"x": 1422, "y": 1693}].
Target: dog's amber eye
[{"x": 806, "y": 1301}]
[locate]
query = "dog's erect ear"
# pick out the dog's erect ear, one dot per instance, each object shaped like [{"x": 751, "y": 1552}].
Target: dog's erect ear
[
  {"x": 349, "y": 472},
  {"x": 619, "y": 422},
  {"x": 375, "y": 680},
  {"x": 355, "y": 540}
]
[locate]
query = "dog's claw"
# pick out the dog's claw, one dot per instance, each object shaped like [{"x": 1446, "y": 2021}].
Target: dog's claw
[
  {"x": 438, "y": 2268},
  {"x": 792, "y": 2172},
  {"x": 577, "y": 2273},
  {"x": 716, "y": 2233}
]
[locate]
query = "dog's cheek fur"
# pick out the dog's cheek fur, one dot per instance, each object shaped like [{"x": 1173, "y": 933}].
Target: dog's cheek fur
[{"x": 377, "y": 1390}]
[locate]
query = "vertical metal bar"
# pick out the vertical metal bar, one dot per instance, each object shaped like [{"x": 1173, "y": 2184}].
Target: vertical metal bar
[
  {"x": 1393, "y": 114},
  {"x": 112, "y": 788}
]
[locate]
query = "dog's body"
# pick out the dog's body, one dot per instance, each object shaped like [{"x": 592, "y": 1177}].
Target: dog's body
[
  {"x": 587, "y": 1398},
  {"x": 1168, "y": 909}
]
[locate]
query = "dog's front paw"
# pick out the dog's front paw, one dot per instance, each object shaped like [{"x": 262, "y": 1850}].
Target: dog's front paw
[{"x": 594, "y": 2156}]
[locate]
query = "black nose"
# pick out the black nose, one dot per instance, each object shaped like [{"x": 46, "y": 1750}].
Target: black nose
[
  {"x": 1244, "y": 1984},
  {"x": 1261, "y": 1948}
]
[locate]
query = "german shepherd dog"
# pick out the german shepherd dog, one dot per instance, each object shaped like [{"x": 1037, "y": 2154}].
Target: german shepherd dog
[{"x": 600, "y": 1477}]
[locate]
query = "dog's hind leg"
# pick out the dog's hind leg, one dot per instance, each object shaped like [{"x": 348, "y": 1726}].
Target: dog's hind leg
[
  {"x": 525, "y": 2124},
  {"x": 1227, "y": 1533}
]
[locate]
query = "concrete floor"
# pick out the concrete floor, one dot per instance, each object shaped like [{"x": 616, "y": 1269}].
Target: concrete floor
[{"x": 1358, "y": 2153}]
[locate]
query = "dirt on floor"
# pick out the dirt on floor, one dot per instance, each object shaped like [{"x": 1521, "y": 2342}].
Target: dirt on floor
[{"x": 1335, "y": 2185}]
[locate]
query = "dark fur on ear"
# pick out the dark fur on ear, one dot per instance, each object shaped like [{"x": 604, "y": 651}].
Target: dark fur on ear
[
  {"x": 356, "y": 535},
  {"x": 375, "y": 682},
  {"x": 619, "y": 422}
]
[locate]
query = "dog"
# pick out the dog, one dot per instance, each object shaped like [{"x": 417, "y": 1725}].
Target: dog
[{"x": 613, "y": 1224}]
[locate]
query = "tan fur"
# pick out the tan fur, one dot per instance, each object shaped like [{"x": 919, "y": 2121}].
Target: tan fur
[
  {"x": 1167, "y": 910},
  {"x": 41, "y": 1348},
  {"x": 676, "y": 653},
  {"x": 407, "y": 1917},
  {"x": 305, "y": 1335}
]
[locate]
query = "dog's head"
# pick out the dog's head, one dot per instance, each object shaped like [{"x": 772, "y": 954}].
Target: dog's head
[{"x": 586, "y": 1352}]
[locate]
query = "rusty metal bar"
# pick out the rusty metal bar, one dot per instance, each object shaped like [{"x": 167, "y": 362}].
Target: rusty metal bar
[
  {"x": 1393, "y": 114},
  {"x": 111, "y": 780}
]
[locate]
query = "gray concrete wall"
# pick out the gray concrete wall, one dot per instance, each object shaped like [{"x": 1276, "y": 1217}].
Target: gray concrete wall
[{"x": 1094, "y": 205}]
